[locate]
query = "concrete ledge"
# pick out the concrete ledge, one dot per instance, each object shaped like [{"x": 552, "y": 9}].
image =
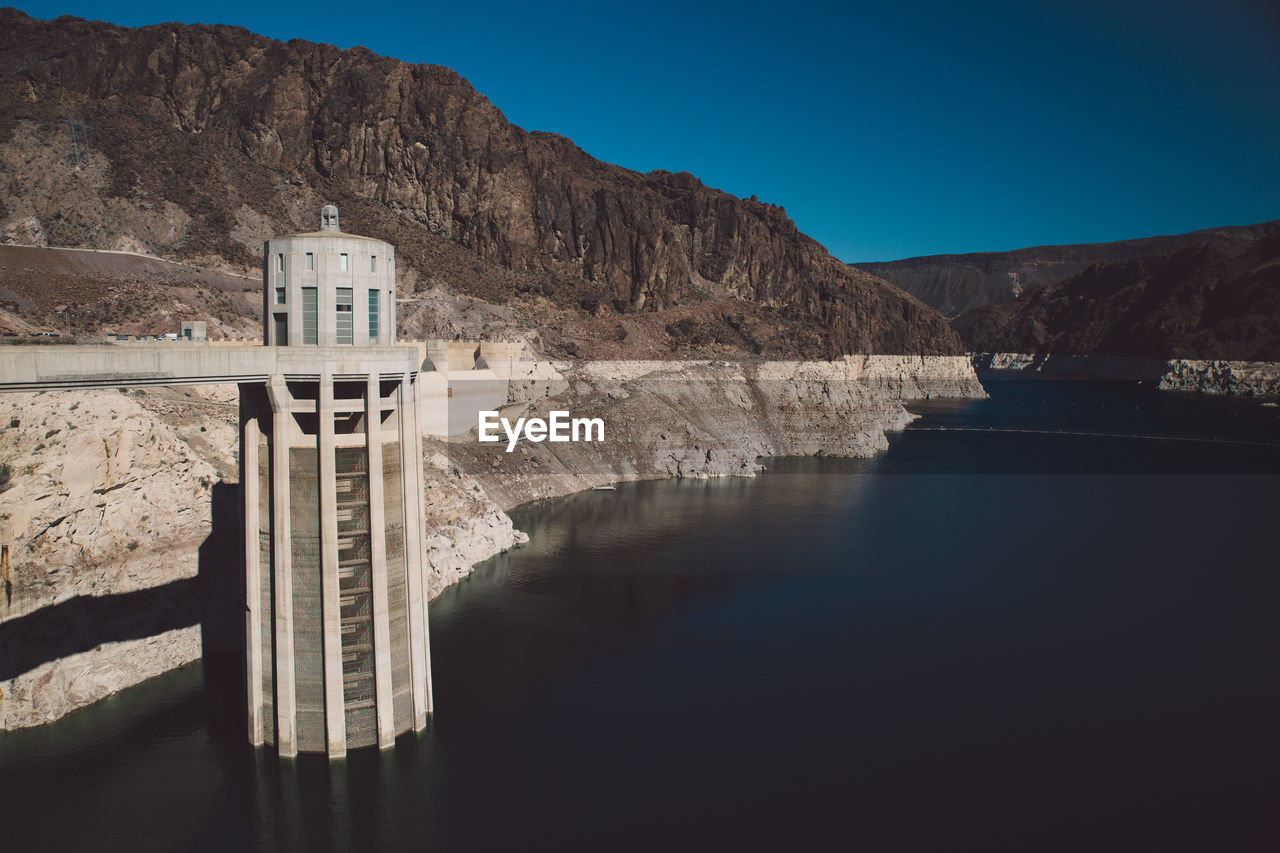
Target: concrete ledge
[{"x": 35, "y": 368}]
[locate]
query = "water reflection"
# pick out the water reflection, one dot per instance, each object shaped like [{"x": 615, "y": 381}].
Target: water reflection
[{"x": 630, "y": 517}]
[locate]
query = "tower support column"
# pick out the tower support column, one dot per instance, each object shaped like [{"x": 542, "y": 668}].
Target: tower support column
[
  {"x": 282, "y": 559},
  {"x": 249, "y": 436},
  {"x": 335, "y": 717},
  {"x": 378, "y": 559},
  {"x": 415, "y": 556}
]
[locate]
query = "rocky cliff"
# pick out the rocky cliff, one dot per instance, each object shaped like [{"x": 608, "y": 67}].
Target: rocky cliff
[
  {"x": 203, "y": 141},
  {"x": 103, "y": 517},
  {"x": 697, "y": 420},
  {"x": 955, "y": 283}
]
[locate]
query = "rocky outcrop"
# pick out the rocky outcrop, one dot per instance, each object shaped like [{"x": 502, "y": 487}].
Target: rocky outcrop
[
  {"x": 206, "y": 140},
  {"x": 955, "y": 283},
  {"x": 1235, "y": 378},
  {"x": 105, "y": 513},
  {"x": 55, "y": 688},
  {"x": 913, "y": 377},
  {"x": 103, "y": 495},
  {"x": 464, "y": 525},
  {"x": 1006, "y": 361}
]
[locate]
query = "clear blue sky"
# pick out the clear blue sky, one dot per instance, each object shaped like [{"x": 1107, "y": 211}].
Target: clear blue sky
[{"x": 886, "y": 129}]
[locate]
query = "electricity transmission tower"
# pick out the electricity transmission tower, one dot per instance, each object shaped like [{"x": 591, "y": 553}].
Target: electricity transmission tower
[{"x": 78, "y": 132}]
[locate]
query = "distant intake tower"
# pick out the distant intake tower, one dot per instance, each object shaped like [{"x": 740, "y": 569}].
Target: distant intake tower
[{"x": 337, "y": 646}]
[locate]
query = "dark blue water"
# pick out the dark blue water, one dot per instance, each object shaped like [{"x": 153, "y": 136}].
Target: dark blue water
[{"x": 1022, "y": 628}]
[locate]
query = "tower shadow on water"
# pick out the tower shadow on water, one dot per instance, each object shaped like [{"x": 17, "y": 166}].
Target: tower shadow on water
[{"x": 222, "y": 613}]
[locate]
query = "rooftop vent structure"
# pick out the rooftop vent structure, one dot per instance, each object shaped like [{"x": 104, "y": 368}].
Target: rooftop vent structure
[{"x": 329, "y": 218}]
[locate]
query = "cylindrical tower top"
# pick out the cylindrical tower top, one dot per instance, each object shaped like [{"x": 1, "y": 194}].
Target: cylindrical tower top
[{"x": 329, "y": 288}]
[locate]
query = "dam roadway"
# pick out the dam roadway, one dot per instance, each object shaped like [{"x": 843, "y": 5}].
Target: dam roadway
[{"x": 48, "y": 367}]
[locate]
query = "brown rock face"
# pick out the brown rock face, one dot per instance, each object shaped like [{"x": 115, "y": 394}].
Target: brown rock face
[
  {"x": 955, "y": 283},
  {"x": 1217, "y": 300},
  {"x": 247, "y": 135}
]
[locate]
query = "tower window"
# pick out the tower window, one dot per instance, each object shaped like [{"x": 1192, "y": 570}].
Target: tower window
[
  {"x": 309, "y": 315},
  {"x": 280, "y": 330},
  {"x": 311, "y": 261},
  {"x": 373, "y": 316},
  {"x": 279, "y": 295},
  {"x": 280, "y": 262},
  {"x": 373, "y": 263},
  {"x": 344, "y": 262},
  {"x": 344, "y": 318}
]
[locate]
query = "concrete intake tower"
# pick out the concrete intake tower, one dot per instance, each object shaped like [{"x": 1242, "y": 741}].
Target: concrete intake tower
[{"x": 338, "y": 655}]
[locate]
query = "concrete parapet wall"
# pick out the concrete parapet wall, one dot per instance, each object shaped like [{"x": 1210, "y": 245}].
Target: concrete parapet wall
[
  {"x": 461, "y": 355},
  {"x": 470, "y": 393},
  {"x": 433, "y": 404},
  {"x": 501, "y": 356},
  {"x": 245, "y": 342},
  {"x": 451, "y": 402},
  {"x": 449, "y": 356},
  {"x": 108, "y": 365}
]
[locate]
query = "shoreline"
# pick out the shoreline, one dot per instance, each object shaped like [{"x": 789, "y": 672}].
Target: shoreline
[{"x": 1202, "y": 376}]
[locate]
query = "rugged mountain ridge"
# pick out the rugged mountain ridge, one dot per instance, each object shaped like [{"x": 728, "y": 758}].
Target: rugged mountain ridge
[
  {"x": 1219, "y": 300},
  {"x": 205, "y": 140},
  {"x": 955, "y": 283}
]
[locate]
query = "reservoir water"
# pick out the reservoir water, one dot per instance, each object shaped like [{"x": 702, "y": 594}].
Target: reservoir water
[{"x": 1044, "y": 621}]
